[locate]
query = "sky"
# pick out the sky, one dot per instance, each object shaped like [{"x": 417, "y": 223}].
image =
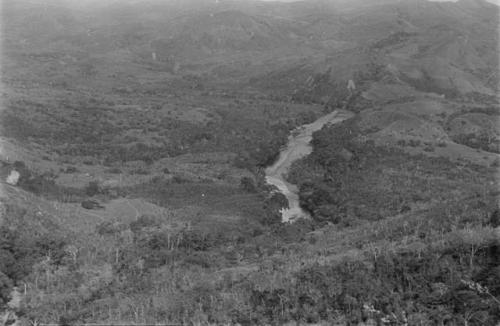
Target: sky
[{"x": 492, "y": 1}]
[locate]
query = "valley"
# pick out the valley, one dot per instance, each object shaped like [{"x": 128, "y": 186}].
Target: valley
[
  {"x": 298, "y": 146},
  {"x": 160, "y": 146}
]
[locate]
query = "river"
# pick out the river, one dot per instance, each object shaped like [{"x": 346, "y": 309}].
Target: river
[{"x": 298, "y": 146}]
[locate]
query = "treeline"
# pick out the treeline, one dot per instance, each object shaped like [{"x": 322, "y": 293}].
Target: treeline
[{"x": 109, "y": 135}]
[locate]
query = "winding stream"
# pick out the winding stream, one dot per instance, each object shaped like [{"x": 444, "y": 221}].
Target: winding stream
[{"x": 298, "y": 146}]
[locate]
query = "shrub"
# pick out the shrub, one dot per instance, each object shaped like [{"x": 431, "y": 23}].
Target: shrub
[
  {"x": 273, "y": 206},
  {"x": 247, "y": 184},
  {"x": 5, "y": 289},
  {"x": 414, "y": 143},
  {"x": 114, "y": 171},
  {"x": 196, "y": 240},
  {"x": 198, "y": 259},
  {"x": 180, "y": 179},
  {"x": 92, "y": 188},
  {"x": 144, "y": 221},
  {"x": 71, "y": 169},
  {"x": 109, "y": 228},
  {"x": 19, "y": 165}
]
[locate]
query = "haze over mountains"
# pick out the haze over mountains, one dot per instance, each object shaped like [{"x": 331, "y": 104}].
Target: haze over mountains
[
  {"x": 141, "y": 129},
  {"x": 272, "y": 48},
  {"x": 202, "y": 31}
]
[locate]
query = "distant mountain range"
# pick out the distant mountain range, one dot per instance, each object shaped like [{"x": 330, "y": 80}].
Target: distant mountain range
[{"x": 258, "y": 38}]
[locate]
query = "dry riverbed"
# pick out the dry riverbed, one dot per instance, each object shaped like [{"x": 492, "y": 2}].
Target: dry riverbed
[{"x": 298, "y": 146}]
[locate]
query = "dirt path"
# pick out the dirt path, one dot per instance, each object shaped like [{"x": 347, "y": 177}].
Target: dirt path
[{"x": 298, "y": 147}]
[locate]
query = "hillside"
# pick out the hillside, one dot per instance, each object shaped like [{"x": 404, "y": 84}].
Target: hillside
[{"x": 140, "y": 132}]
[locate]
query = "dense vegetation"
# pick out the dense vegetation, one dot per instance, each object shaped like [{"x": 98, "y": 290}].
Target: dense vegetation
[
  {"x": 102, "y": 134},
  {"x": 415, "y": 268},
  {"x": 435, "y": 261},
  {"x": 353, "y": 179},
  {"x": 140, "y": 131}
]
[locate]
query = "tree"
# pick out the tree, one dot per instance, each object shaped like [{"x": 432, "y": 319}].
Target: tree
[
  {"x": 495, "y": 218},
  {"x": 92, "y": 188},
  {"x": 247, "y": 184},
  {"x": 273, "y": 207},
  {"x": 474, "y": 239},
  {"x": 5, "y": 289}
]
